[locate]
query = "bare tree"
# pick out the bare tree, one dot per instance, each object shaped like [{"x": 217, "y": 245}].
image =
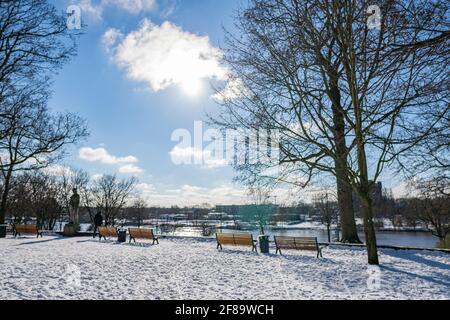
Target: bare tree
[
  {"x": 36, "y": 195},
  {"x": 34, "y": 44},
  {"x": 137, "y": 211},
  {"x": 384, "y": 206},
  {"x": 109, "y": 194},
  {"x": 327, "y": 210},
  {"x": 307, "y": 68},
  {"x": 435, "y": 205},
  {"x": 34, "y": 39},
  {"x": 35, "y": 138}
]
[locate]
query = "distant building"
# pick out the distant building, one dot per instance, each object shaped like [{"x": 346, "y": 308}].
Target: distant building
[
  {"x": 376, "y": 196},
  {"x": 231, "y": 210},
  {"x": 217, "y": 215}
]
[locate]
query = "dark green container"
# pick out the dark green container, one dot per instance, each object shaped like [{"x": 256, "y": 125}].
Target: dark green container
[
  {"x": 263, "y": 243},
  {"x": 3, "y": 230},
  {"x": 122, "y": 236}
]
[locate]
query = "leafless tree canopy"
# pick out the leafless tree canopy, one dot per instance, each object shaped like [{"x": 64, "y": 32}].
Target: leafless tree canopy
[
  {"x": 34, "y": 40},
  {"x": 313, "y": 69},
  {"x": 109, "y": 195},
  {"x": 34, "y": 44}
]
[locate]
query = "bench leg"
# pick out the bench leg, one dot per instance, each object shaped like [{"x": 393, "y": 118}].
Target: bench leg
[
  {"x": 155, "y": 240},
  {"x": 254, "y": 248},
  {"x": 278, "y": 250},
  {"x": 319, "y": 252},
  {"x": 219, "y": 246}
]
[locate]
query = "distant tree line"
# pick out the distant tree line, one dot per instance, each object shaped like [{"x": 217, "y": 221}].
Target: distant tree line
[{"x": 43, "y": 195}]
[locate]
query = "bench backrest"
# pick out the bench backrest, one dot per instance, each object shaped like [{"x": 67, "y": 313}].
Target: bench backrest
[
  {"x": 26, "y": 228},
  {"x": 298, "y": 243},
  {"x": 138, "y": 233},
  {"x": 237, "y": 239},
  {"x": 107, "y": 231}
]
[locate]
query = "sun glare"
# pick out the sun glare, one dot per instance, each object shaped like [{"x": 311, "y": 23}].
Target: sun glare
[{"x": 192, "y": 87}]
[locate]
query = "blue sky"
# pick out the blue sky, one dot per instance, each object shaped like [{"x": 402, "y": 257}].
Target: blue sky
[
  {"x": 132, "y": 119},
  {"x": 144, "y": 69}
]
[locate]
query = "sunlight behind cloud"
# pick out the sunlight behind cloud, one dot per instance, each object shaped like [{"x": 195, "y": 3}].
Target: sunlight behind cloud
[
  {"x": 165, "y": 55},
  {"x": 192, "y": 87}
]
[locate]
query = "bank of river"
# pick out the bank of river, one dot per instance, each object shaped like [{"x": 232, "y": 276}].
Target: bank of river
[{"x": 394, "y": 238}]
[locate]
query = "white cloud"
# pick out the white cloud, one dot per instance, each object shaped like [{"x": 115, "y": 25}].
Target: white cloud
[
  {"x": 130, "y": 169},
  {"x": 145, "y": 188},
  {"x": 191, "y": 155},
  {"x": 58, "y": 170},
  {"x": 102, "y": 155},
  {"x": 188, "y": 155},
  {"x": 132, "y": 6},
  {"x": 95, "y": 9},
  {"x": 110, "y": 38},
  {"x": 96, "y": 176},
  {"x": 233, "y": 89},
  {"x": 188, "y": 195},
  {"x": 165, "y": 55}
]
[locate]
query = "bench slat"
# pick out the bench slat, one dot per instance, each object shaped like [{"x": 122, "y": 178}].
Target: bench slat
[
  {"x": 141, "y": 233},
  {"x": 107, "y": 231},
  {"x": 236, "y": 239},
  {"x": 20, "y": 229},
  {"x": 297, "y": 243}
]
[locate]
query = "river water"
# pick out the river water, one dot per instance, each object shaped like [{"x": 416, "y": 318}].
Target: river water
[{"x": 395, "y": 238}]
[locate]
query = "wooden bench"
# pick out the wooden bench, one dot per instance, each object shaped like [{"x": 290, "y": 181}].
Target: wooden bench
[
  {"x": 297, "y": 243},
  {"x": 106, "y": 232},
  {"x": 236, "y": 239},
  {"x": 138, "y": 233},
  {"x": 20, "y": 229}
]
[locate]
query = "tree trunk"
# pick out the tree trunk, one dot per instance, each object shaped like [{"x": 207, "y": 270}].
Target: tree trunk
[
  {"x": 329, "y": 233},
  {"x": 4, "y": 199},
  {"x": 364, "y": 189},
  {"x": 344, "y": 190},
  {"x": 346, "y": 213},
  {"x": 369, "y": 229}
]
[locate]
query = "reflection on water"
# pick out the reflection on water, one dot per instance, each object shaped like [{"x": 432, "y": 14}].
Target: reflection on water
[{"x": 395, "y": 238}]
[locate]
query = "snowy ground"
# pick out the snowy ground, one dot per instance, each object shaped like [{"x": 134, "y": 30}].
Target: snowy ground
[{"x": 83, "y": 268}]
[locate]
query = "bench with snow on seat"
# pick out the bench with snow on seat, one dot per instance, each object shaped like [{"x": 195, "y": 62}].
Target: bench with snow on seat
[
  {"x": 20, "y": 229},
  {"x": 235, "y": 239},
  {"x": 297, "y": 243},
  {"x": 138, "y": 233},
  {"x": 106, "y": 232}
]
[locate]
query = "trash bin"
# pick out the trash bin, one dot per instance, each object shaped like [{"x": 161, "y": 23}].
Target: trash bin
[
  {"x": 264, "y": 244},
  {"x": 3, "y": 230},
  {"x": 122, "y": 236}
]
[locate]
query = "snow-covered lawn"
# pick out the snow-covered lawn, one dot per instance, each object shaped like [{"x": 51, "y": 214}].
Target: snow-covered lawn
[{"x": 83, "y": 268}]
